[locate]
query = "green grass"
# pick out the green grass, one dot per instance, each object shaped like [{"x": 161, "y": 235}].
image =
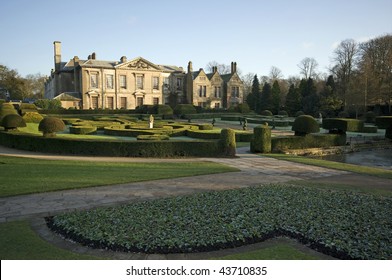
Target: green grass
[
  {"x": 364, "y": 170},
  {"x": 24, "y": 175},
  {"x": 19, "y": 242}
]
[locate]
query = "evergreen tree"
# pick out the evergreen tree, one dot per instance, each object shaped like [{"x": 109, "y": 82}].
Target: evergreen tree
[
  {"x": 266, "y": 98},
  {"x": 293, "y": 100},
  {"x": 276, "y": 98},
  {"x": 330, "y": 103},
  {"x": 310, "y": 98},
  {"x": 253, "y": 98}
]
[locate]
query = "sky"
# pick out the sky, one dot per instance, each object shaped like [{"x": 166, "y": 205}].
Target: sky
[{"x": 255, "y": 34}]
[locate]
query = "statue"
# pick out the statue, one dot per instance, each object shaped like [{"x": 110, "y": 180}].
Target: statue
[{"x": 151, "y": 121}]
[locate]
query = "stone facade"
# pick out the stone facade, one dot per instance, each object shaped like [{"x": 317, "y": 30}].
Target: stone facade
[{"x": 127, "y": 84}]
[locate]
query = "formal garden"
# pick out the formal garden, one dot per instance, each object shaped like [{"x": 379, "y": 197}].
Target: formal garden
[{"x": 345, "y": 223}]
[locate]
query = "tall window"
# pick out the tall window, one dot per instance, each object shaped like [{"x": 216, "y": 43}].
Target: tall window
[
  {"x": 123, "y": 81},
  {"x": 123, "y": 102},
  {"x": 218, "y": 92},
  {"x": 109, "y": 81},
  {"x": 94, "y": 102},
  {"x": 155, "y": 82},
  {"x": 217, "y": 105},
  {"x": 110, "y": 102},
  {"x": 94, "y": 80},
  {"x": 155, "y": 101},
  {"x": 235, "y": 92},
  {"x": 179, "y": 83},
  {"x": 204, "y": 91},
  {"x": 200, "y": 91},
  {"x": 139, "y": 101},
  {"x": 139, "y": 82}
]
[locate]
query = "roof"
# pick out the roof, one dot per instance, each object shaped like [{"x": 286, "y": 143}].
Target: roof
[{"x": 68, "y": 96}]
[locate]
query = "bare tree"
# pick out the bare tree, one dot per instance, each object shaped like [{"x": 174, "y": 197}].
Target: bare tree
[
  {"x": 345, "y": 58},
  {"x": 222, "y": 68},
  {"x": 275, "y": 74},
  {"x": 248, "y": 80},
  {"x": 308, "y": 67}
]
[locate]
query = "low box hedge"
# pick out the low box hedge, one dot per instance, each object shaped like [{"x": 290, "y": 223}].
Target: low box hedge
[
  {"x": 343, "y": 124},
  {"x": 82, "y": 129},
  {"x": 280, "y": 144},
  {"x": 58, "y": 145}
]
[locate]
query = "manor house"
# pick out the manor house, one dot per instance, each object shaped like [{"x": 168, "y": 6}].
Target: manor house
[{"x": 127, "y": 84}]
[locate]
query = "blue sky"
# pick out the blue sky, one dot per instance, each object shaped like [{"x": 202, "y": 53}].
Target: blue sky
[{"x": 255, "y": 34}]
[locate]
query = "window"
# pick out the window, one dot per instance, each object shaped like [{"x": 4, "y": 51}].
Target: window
[
  {"x": 123, "y": 81},
  {"x": 235, "y": 92},
  {"x": 166, "y": 82},
  {"x": 179, "y": 83},
  {"x": 155, "y": 82},
  {"x": 202, "y": 78},
  {"x": 94, "y": 102},
  {"x": 94, "y": 80},
  {"x": 155, "y": 101},
  {"x": 204, "y": 91},
  {"x": 139, "y": 82},
  {"x": 109, "y": 102},
  {"x": 139, "y": 101},
  {"x": 109, "y": 81},
  {"x": 217, "y": 105},
  {"x": 218, "y": 92},
  {"x": 200, "y": 91},
  {"x": 123, "y": 102}
]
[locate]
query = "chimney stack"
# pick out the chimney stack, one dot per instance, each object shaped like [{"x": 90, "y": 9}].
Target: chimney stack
[
  {"x": 190, "y": 69},
  {"x": 57, "y": 55},
  {"x": 93, "y": 55},
  {"x": 232, "y": 67},
  {"x": 123, "y": 59}
]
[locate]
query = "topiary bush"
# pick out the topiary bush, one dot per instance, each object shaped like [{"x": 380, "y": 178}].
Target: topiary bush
[
  {"x": 32, "y": 117},
  {"x": 261, "y": 142},
  {"x": 299, "y": 113},
  {"x": 242, "y": 108},
  {"x": 7, "y": 109},
  {"x": 12, "y": 122},
  {"x": 267, "y": 113},
  {"x": 305, "y": 124},
  {"x": 206, "y": 126},
  {"x": 50, "y": 125},
  {"x": 228, "y": 142},
  {"x": 283, "y": 113},
  {"x": 370, "y": 117},
  {"x": 385, "y": 122},
  {"x": 342, "y": 125},
  {"x": 83, "y": 130},
  {"x": 184, "y": 109},
  {"x": 27, "y": 107}
]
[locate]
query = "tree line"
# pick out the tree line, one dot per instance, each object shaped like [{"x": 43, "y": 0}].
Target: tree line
[{"x": 359, "y": 79}]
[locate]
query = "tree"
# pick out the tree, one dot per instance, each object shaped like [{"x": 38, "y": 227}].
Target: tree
[
  {"x": 222, "y": 68},
  {"x": 35, "y": 85},
  {"x": 310, "y": 98},
  {"x": 11, "y": 82},
  {"x": 266, "y": 98},
  {"x": 308, "y": 67},
  {"x": 293, "y": 100},
  {"x": 275, "y": 74},
  {"x": 330, "y": 103},
  {"x": 247, "y": 80},
  {"x": 345, "y": 58},
  {"x": 276, "y": 97},
  {"x": 253, "y": 98}
]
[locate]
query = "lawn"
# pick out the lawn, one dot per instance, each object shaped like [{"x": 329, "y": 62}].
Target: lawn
[{"x": 25, "y": 176}]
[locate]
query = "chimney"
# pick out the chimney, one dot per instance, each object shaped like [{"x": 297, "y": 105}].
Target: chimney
[
  {"x": 93, "y": 55},
  {"x": 123, "y": 59},
  {"x": 57, "y": 55},
  {"x": 76, "y": 61},
  {"x": 232, "y": 67},
  {"x": 190, "y": 70},
  {"x": 235, "y": 67},
  {"x": 215, "y": 69}
]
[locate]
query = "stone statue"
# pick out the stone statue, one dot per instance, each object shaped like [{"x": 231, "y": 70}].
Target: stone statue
[{"x": 151, "y": 121}]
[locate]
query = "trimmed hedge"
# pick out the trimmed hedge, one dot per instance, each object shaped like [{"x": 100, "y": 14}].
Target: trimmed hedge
[
  {"x": 32, "y": 117},
  {"x": 266, "y": 113},
  {"x": 342, "y": 125},
  {"x": 7, "y": 109},
  {"x": 240, "y": 136},
  {"x": 60, "y": 145},
  {"x": 385, "y": 122},
  {"x": 280, "y": 144},
  {"x": 205, "y": 126},
  {"x": 305, "y": 124},
  {"x": 184, "y": 109},
  {"x": 27, "y": 107},
  {"x": 50, "y": 125},
  {"x": 82, "y": 129},
  {"x": 261, "y": 142},
  {"x": 228, "y": 142},
  {"x": 154, "y": 137},
  {"x": 12, "y": 121}
]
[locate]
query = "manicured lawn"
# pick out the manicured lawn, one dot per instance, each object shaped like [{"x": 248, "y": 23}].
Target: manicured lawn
[
  {"x": 364, "y": 170},
  {"x": 24, "y": 175},
  {"x": 19, "y": 242}
]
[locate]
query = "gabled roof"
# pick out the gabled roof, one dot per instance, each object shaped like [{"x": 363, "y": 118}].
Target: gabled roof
[
  {"x": 139, "y": 63},
  {"x": 68, "y": 96}
]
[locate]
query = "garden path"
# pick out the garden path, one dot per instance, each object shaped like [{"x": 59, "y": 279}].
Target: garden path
[{"x": 254, "y": 170}]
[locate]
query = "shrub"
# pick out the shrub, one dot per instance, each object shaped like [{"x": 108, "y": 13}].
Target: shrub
[
  {"x": 154, "y": 137},
  {"x": 261, "y": 142},
  {"x": 299, "y": 113},
  {"x": 82, "y": 129},
  {"x": 184, "y": 109},
  {"x": 206, "y": 126},
  {"x": 7, "y": 109},
  {"x": 283, "y": 113},
  {"x": 50, "y": 125},
  {"x": 242, "y": 108},
  {"x": 305, "y": 124},
  {"x": 342, "y": 125},
  {"x": 228, "y": 142},
  {"x": 32, "y": 117},
  {"x": 164, "y": 110},
  {"x": 12, "y": 121},
  {"x": 370, "y": 117},
  {"x": 386, "y": 123},
  {"x": 27, "y": 107},
  {"x": 266, "y": 113}
]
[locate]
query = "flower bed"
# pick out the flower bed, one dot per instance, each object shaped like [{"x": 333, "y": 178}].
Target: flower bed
[{"x": 343, "y": 224}]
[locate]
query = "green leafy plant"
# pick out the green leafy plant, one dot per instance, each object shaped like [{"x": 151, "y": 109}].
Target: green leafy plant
[
  {"x": 12, "y": 122},
  {"x": 50, "y": 125},
  {"x": 305, "y": 124}
]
